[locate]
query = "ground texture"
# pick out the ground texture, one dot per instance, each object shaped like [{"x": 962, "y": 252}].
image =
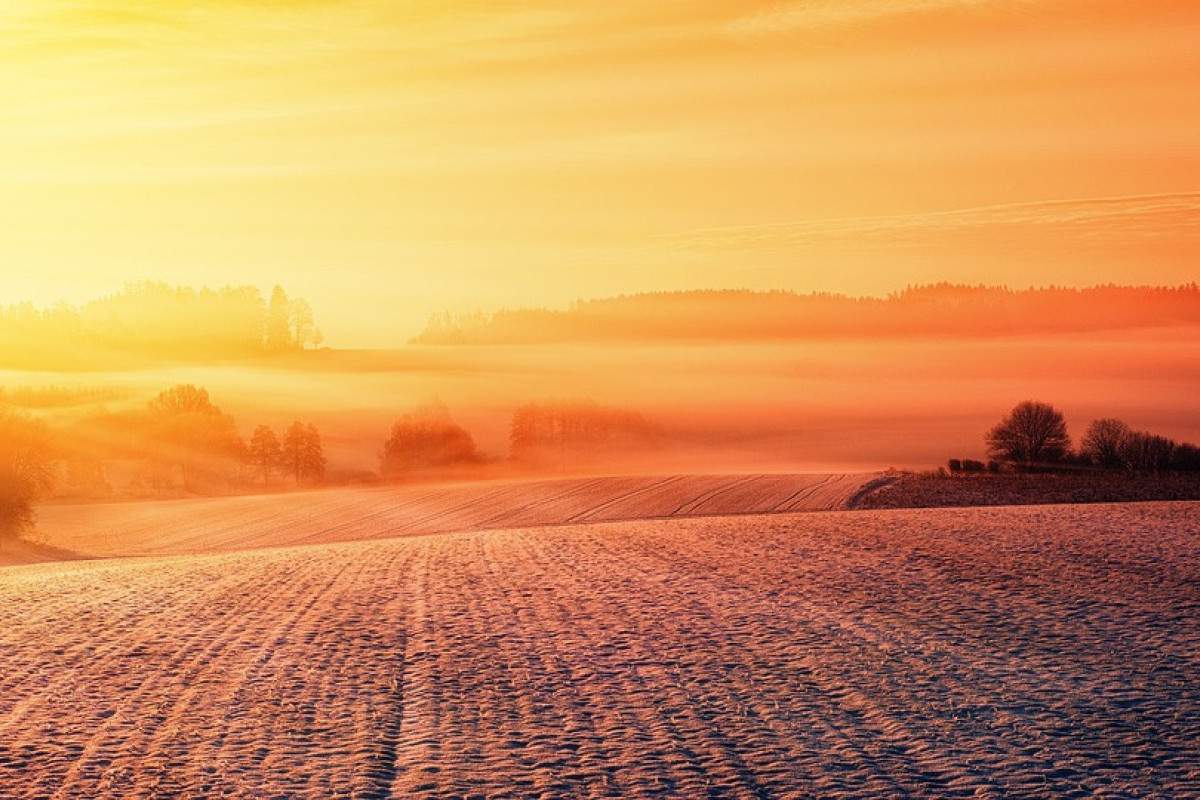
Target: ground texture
[
  {"x": 970, "y": 489},
  {"x": 209, "y": 525},
  {"x": 1031, "y": 651}
]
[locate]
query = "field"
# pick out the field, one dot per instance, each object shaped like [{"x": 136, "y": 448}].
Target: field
[
  {"x": 342, "y": 515},
  {"x": 322, "y": 649},
  {"x": 940, "y": 491}
]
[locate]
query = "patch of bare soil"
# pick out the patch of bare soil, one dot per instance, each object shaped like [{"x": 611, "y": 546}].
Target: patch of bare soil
[
  {"x": 939, "y": 491},
  {"x": 1044, "y": 651}
]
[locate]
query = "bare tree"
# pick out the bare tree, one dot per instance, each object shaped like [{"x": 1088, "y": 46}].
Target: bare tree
[
  {"x": 1103, "y": 442},
  {"x": 1032, "y": 433},
  {"x": 26, "y": 472},
  {"x": 1147, "y": 452},
  {"x": 1186, "y": 458},
  {"x": 184, "y": 398}
]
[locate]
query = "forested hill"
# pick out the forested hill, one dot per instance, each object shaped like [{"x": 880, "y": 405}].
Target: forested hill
[
  {"x": 732, "y": 315},
  {"x": 156, "y": 322}
]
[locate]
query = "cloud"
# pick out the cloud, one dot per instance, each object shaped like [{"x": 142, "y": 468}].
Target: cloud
[
  {"x": 1131, "y": 216},
  {"x": 814, "y": 15}
]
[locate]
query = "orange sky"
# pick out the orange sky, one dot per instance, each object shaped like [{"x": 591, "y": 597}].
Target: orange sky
[{"x": 390, "y": 159}]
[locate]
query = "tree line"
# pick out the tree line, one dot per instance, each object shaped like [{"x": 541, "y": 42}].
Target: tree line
[
  {"x": 185, "y": 443},
  {"x": 181, "y": 437},
  {"x": 942, "y": 309},
  {"x": 156, "y": 320},
  {"x": 1033, "y": 436},
  {"x": 547, "y": 434}
]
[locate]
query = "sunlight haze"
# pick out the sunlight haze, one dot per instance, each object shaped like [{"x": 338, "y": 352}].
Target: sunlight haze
[
  {"x": 622, "y": 398},
  {"x": 389, "y": 161}
]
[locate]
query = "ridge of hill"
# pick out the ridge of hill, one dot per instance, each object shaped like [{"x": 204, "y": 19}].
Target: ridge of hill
[
  {"x": 942, "y": 309},
  {"x": 176, "y": 527}
]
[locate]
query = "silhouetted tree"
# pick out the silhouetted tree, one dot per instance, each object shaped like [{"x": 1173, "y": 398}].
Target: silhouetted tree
[
  {"x": 279, "y": 324},
  {"x": 1032, "y": 433},
  {"x": 26, "y": 472},
  {"x": 740, "y": 314},
  {"x": 1103, "y": 442},
  {"x": 1147, "y": 452},
  {"x": 159, "y": 320},
  {"x": 184, "y": 398},
  {"x": 264, "y": 451},
  {"x": 193, "y": 432},
  {"x": 1186, "y": 458},
  {"x": 562, "y": 428},
  {"x": 302, "y": 452},
  {"x": 427, "y": 438},
  {"x": 302, "y": 324}
]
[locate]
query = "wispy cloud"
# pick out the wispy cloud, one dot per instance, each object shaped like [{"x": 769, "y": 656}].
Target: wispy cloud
[
  {"x": 1139, "y": 215},
  {"x": 813, "y": 15}
]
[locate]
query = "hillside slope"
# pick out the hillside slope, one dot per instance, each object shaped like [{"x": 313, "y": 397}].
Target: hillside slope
[{"x": 340, "y": 515}]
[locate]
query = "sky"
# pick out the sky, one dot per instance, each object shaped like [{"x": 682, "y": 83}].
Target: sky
[{"x": 388, "y": 160}]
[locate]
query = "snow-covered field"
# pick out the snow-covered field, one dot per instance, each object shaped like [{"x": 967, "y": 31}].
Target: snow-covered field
[{"x": 1047, "y": 651}]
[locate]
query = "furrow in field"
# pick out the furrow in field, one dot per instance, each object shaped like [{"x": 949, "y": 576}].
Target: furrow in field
[
  {"x": 689, "y": 507},
  {"x": 959, "y": 653},
  {"x": 456, "y": 510},
  {"x": 539, "y": 502},
  {"x": 962, "y": 658},
  {"x": 243, "y": 674},
  {"x": 642, "y": 498},
  {"x": 758, "y": 692},
  {"x": 795, "y": 500},
  {"x": 285, "y": 520}
]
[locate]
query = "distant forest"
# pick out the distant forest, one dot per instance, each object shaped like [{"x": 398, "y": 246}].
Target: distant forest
[
  {"x": 155, "y": 321},
  {"x": 942, "y": 309}
]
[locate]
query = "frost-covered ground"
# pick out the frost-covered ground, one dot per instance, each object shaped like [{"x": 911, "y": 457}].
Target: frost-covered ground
[{"x": 1044, "y": 651}]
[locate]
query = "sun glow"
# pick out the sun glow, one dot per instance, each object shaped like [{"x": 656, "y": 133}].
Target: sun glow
[
  {"x": 393, "y": 163},
  {"x": 445, "y": 398},
  {"x": 402, "y": 160}
]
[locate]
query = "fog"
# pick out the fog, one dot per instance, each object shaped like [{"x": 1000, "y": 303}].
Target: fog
[{"x": 842, "y": 405}]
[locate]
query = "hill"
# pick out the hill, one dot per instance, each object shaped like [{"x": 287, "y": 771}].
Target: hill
[
  {"x": 933, "y": 310},
  {"x": 156, "y": 528},
  {"x": 153, "y": 323}
]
